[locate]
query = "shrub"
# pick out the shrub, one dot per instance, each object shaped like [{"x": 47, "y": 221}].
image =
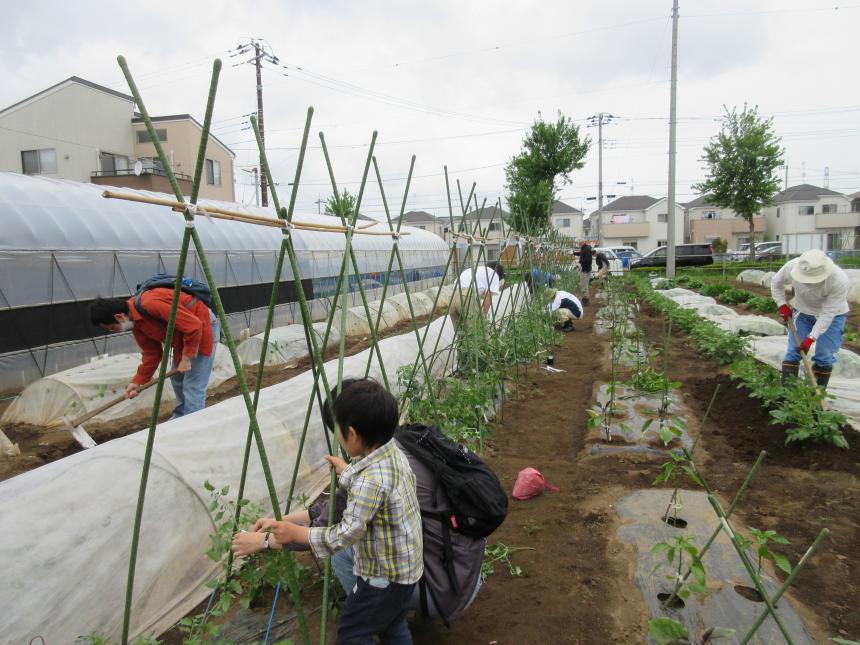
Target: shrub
[
  {"x": 695, "y": 283},
  {"x": 762, "y": 305},
  {"x": 716, "y": 289},
  {"x": 665, "y": 284},
  {"x": 734, "y": 296}
]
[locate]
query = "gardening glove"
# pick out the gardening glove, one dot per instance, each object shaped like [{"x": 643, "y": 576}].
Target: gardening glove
[
  {"x": 785, "y": 312},
  {"x": 805, "y": 344}
]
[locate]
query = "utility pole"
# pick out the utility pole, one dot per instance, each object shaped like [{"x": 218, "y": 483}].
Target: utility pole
[
  {"x": 599, "y": 120},
  {"x": 262, "y": 53},
  {"x": 320, "y": 201},
  {"x": 673, "y": 98}
]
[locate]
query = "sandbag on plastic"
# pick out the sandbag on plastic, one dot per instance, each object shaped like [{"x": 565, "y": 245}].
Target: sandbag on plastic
[
  {"x": 750, "y": 276},
  {"x": 74, "y": 582},
  {"x": 287, "y": 344},
  {"x": 77, "y": 390},
  {"x": 421, "y": 304}
]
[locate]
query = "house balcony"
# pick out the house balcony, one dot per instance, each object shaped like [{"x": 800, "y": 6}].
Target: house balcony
[
  {"x": 149, "y": 179},
  {"x": 837, "y": 220},
  {"x": 626, "y": 231},
  {"x": 704, "y": 230}
]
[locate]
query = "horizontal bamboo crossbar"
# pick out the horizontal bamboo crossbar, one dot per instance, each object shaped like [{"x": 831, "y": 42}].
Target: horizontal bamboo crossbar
[{"x": 247, "y": 218}]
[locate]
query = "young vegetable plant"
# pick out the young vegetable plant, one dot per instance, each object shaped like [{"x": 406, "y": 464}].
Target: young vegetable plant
[
  {"x": 760, "y": 541},
  {"x": 667, "y": 631},
  {"x": 677, "y": 550},
  {"x": 501, "y": 553}
]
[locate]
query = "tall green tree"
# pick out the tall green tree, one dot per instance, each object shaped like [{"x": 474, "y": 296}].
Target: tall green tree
[
  {"x": 342, "y": 206},
  {"x": 742, "y": 160},
  {"x": 550, "y": 152}
]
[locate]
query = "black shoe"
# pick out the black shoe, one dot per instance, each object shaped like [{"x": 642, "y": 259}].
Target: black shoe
[
  {"x": 585, "y": 301},
  {"x": 568, "y": 326},
  {"x": 822, "y": 376}
]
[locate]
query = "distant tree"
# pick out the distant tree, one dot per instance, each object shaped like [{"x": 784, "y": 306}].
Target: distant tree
[
  {"x": 342, "y": 206},
  {"x": 720, "y": 245},
  {"x": 742, "y": 160},
  {"x": 550, "y": 152}
]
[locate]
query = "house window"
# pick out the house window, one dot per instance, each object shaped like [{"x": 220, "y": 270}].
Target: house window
[
  {"x": 422, "y": 228},
  {"x": 710, "y": 215},
  {"x": 829, "y": 208},
  {"x": 213, "y": 172},
  {"x": 563, "y": 222},
  {"x": 633, "y": 243},
  {"x": 112, "y": 163},
  {"x": 37, "y": 162},
  {"x": 661, "y": 242},
  {"x": 806, "y": 210},
  {"x": 143, "y": 135},
  {"x": 834, "y": 241},
  {"x": 662, "y": 218},
  {"x": 494, "y": 226},
  {"x": 777, "y": 213}
]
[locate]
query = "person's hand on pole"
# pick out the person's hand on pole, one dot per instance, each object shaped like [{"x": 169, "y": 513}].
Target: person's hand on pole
[
  {"x": 805, "y": 344},
  {"x": 785, "y": 312}
]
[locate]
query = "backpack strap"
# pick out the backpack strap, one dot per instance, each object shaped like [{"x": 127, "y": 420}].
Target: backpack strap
[{"x": 447, "y": 548}]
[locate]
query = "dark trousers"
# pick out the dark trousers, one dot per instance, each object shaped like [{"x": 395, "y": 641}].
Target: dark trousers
[{"x": 371, "y": 611}]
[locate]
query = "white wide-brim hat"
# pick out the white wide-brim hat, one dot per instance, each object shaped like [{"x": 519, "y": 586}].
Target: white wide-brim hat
[{"x": 811, "y": 267}]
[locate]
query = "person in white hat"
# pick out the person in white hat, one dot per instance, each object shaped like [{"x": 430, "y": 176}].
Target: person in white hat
[
  {"x": 565, "y": 308},
  {"x": 820, "y": 310}
]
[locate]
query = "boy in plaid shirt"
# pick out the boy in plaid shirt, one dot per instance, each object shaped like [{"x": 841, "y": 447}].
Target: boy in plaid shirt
[{"x": 382, "y": 518}]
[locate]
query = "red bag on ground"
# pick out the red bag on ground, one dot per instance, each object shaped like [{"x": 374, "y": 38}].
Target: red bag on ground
[{"x": 530, "y": 483}]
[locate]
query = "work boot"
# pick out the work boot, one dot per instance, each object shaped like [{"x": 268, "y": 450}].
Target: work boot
[
  {"x": 568, "y": 326},
  {"x": 789, "y": 371},
  {"x": 822, "y": 375},
  {"x": 585, "y": 300}
]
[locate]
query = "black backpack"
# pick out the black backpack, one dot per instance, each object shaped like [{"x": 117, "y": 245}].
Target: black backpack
[
  {"x": 192, "y": 287},
  {"x": 479, "y": 504}
]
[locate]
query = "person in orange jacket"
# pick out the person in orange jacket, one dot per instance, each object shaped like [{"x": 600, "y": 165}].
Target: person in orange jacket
[{"x": 195, "y": 339}]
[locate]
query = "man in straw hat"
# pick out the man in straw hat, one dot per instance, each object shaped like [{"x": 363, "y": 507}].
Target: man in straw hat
[{"x": 821, "y": 304}]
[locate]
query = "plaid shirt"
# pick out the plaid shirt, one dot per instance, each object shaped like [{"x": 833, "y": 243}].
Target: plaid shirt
[{"x": 382, "y": 518}]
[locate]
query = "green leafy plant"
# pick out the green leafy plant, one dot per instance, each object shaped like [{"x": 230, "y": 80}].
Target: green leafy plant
[
  {"x": 668, "y": 631},
  {"x": 678, "y": 550},
  {"x": 761, "y": 541},
  {"x": 500, "y": 553},
  {"x": 762, "y": 305},
  {"x": 715, "y": 289},
  {"x": 665, "y": 284},
  {"x": 735, "y": 296},
  {"x": 695, "y": 283}
]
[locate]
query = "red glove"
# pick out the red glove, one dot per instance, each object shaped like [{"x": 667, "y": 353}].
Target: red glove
[
  {"x": 785, "y": 312},
  {"x": 805, "y": 344}
]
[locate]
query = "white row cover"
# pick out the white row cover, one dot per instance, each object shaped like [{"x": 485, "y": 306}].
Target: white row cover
[
  {"x": 764, "y": 279},
  {"x": 726, "y": 318},
  {"x": 73, "y": 582},
  {"x": 76, "y": 391},
  {"x": 287, "y": 345}
]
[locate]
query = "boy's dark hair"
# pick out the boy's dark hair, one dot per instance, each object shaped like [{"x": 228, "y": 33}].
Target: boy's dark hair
[
  {"x": 327, "y": 419},
  {"x": 369, "y": 409},
  {"x": 102, "y": 310},
  {"x": 498, "y": 268}
]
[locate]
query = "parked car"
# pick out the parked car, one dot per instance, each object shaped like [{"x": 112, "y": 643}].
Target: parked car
[
  {"x": 616, "y": 266},
  {"x": 625, "y": 254},
  {"x": 766, "y": 249},
  {"x": 685, "y": 255}
]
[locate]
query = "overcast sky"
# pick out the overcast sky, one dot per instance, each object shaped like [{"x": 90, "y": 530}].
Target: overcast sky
[{"x": 459, "y": 82}]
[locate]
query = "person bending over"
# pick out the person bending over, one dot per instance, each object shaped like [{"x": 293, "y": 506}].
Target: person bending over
[
  {"x": 194, "y": 340},
  {"x": 381, "y": 520},
  {"x": 565, "y": 308},
  {"x": 488, "y": 282},
  {"x": 821, "y": 301},
  {"x": 585, "y": 254}
]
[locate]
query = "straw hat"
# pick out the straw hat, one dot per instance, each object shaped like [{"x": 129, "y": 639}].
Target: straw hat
[
  {"x": 551, "y": 293},
  {"x": 812, "y": 267}
]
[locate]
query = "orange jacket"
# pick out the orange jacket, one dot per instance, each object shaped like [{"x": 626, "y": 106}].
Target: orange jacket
[{"x": 192, "y": 334}]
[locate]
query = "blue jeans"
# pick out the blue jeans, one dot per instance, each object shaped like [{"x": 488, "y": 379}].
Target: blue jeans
[
  {"x": 190, "y": 387},
  {"x": 342, "y": 565},
  {"x": 376, "y": 610},
  {"x": 825, "y": 346}
]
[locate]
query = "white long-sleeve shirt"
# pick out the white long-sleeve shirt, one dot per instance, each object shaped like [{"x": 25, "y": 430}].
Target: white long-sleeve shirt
[
  {"x": 562, "y": 295},
  {"x": 824, "y": 300}
]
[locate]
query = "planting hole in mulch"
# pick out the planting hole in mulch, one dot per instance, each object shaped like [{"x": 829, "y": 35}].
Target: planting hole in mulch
[
  {"x": 677, "y": 522},
  {"x": 677, "y": 603},
  {"x": 750, "y": 593}
]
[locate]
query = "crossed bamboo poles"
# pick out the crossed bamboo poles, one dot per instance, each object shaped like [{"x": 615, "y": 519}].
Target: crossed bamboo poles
[{"x": 286, "y": 223}]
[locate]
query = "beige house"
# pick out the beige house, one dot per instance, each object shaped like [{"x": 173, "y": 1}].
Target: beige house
[
  {"x": 86, "y": 132},
  {"x": 567, "y": 220},
  {"x": 640, "y": 221},
  {"x": 811, "y": 217},
  {"x": 707, "y": 222}
]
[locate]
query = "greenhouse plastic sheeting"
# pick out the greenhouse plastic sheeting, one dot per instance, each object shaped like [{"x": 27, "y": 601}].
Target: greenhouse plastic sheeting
[
  {"x": 753, "y": 325},
  {"x": 695, "y": 299},
  {"x": 767, "y": 278},
  {"x": 717, "y": 310},
  {"x": 287, "y": 344},
  {"x": 421, "y": 304},
  {"x": 80, "y": 389},
  {"x": 74, "y": 582}
]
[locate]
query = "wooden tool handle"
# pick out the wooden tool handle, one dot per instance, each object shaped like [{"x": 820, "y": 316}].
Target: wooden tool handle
[
  {"x": 116, "y": 401},
  {"x": 806, "y": 364}
]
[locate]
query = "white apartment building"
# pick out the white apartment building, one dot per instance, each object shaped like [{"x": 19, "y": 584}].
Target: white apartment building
[
  {"x": 640, "y": 221},
  {"x": 85, "y": 132},
  {"x": 811, "y": 217},
  {"x": 567, "y": 220}
]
